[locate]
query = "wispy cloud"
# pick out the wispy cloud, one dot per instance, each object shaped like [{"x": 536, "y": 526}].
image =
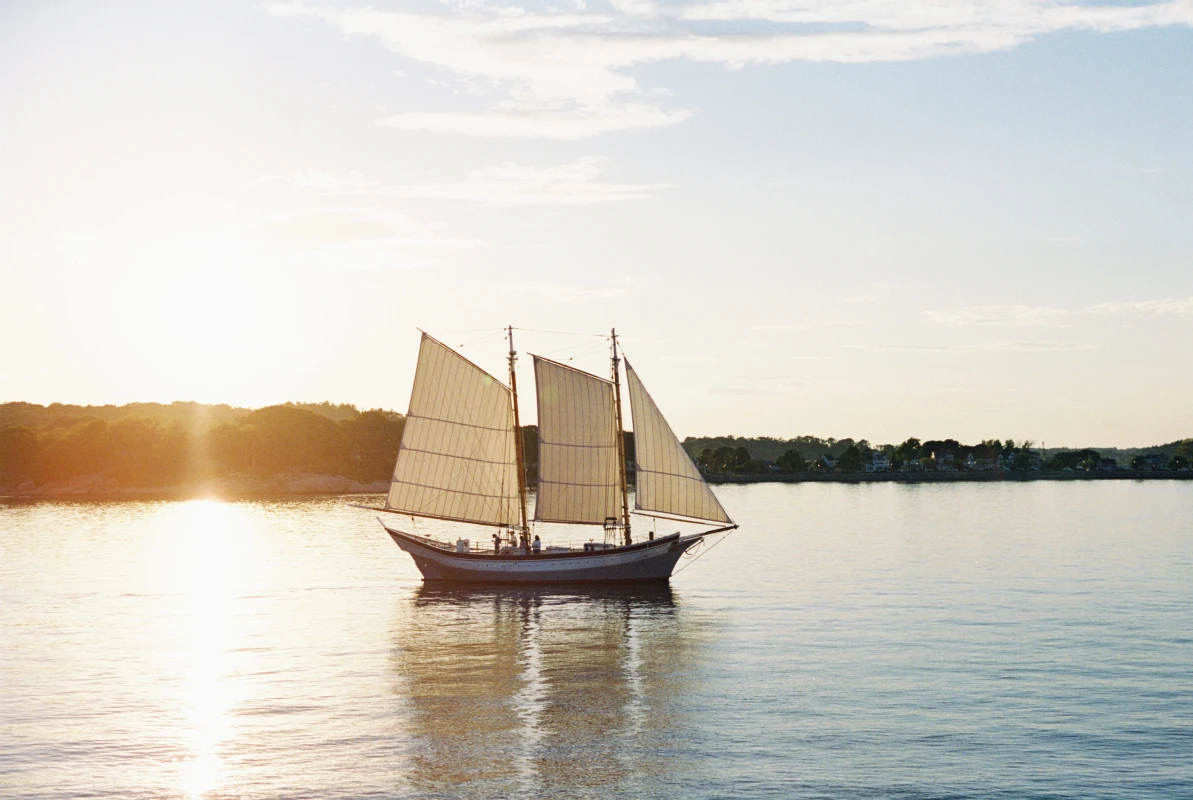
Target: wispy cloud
[
  {"x": 330, "y": 181},
  {"x": 319, "y": 180},
  {"x": 531, "y": 121},
  {"x": 564, "y": 292},
  {"x": 360, "y": 226},
  {"x": 987, "y": 347},
  {"x": 573, "y": 183},
  {"x": 804, "y": 326},
  {"x": 563, "y": 74},
  {"x": 1000, "y": 316},
  {"x": 753, "y": 386},
  {"x": 1020, "y": 316},
  {"x": 1179, "y": 306}
]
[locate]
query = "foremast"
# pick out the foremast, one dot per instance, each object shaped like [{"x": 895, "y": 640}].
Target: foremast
[
  {"x": 621, "y": 469},
  {"x": 519, "y": 445}
]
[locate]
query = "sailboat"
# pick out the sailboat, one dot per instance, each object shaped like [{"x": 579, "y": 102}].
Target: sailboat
[{"x": 461, "y": 460}]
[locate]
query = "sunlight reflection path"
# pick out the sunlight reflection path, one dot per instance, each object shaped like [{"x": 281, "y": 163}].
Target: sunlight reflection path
[
  {"x": 530, "y": 700},
  {"x": 209, "y": 561}
]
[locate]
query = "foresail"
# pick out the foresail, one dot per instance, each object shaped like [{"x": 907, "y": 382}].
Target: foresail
[
  {"x": 667, "y": 480},
  {"x": 456, "y": 459},
  {"x": 578, "y": 477}
]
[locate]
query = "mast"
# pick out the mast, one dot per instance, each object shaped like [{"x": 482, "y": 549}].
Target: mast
[
  {"x": 625, "y": 491},
  {"x": 518, "y": 444}
]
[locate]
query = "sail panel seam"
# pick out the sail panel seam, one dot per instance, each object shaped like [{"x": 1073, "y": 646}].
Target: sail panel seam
[
  {"x": 451, "y": 491},
  {"x": 457, "y": 422},
  {"x": 461, "y": 458}
]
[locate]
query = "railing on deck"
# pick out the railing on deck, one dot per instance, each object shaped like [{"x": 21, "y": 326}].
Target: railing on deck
[{"x": 508, "y": 550}]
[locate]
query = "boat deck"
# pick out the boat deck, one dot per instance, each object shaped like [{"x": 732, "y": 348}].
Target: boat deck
[{"x": 463, "y": 547}]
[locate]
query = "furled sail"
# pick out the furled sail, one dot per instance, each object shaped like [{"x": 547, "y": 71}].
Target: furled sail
[
  {"x": 667, "y": 480},
  {"x": 578, "y": 477},
  {"x": 456, "y": 459}
]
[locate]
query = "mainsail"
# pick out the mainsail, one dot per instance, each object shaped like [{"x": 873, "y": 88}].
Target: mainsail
[
  {"x": 456, "y": 459},
  {"x": 578, "y": 478},
  {"x": 667, "y": 480}
]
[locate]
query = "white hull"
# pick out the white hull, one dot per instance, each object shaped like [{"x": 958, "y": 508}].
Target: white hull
[{"x": 646, "y": 561}]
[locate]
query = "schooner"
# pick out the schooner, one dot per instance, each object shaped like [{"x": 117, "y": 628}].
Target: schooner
[{"x": 461, "y": 459}]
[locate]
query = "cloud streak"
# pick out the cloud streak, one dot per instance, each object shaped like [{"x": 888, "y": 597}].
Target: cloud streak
[
  {"x": 1010, "y": 316},
  {"x": 807, "y": 326},
  {"x": 572, "y": 183},
  {"x": 1020, "y": 316},
  {"x": 565, "y": 75},
  {"x": 987, "y": 347}
]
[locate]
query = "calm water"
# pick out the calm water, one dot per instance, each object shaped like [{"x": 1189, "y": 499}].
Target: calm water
[{"x": 966, "y": 640}]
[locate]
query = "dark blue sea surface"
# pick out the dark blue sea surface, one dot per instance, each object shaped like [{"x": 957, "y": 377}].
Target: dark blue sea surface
[{"x": 875, "y": 641}]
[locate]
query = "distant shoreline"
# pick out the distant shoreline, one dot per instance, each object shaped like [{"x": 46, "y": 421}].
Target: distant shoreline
[
  {"x": 238, "y": 488},
  {"x": 992, "y": 476},
  {"x": 308, "y": 486}
]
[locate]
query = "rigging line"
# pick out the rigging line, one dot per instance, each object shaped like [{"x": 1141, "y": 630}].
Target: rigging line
[
  {"x": 588, "y": 350},
  {"x": 563, "y": 333},
  {"x": 468, "y": 330},
  {"x": 700, "y": 554},
  {"x": 483, "y": 338},
  {"x": 573, "y": 347}
]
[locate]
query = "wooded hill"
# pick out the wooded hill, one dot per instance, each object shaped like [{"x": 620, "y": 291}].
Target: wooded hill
[{"x": 152, "y": 445}]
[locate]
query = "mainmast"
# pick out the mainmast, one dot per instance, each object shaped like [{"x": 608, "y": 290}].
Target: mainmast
[
  {"x": 518, "y": 445},
  {"x": 625, "y": 491}
]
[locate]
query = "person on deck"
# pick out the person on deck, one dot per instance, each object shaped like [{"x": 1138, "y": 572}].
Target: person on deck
[
  {"x": 496, "y": 543},
  {"x": 538, "y": 546}
]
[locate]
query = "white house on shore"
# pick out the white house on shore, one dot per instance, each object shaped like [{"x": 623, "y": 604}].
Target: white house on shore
[{"x": 878, "y": 462}]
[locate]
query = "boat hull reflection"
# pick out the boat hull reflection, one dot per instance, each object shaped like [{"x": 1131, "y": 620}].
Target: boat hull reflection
[{"x": 545, "y": 692}]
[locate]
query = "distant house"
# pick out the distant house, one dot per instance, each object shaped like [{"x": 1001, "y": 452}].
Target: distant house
[
  {"x": 913, "y": 465},
  {"x": 1155, "y": 461},
  {"x": 827, "y": 461},
  {"x": 971, "y": 462},
  {"x": 945, "y": 462},
  {"x": 1107, "y": 465},
  {"x": 878, "y": 462}
]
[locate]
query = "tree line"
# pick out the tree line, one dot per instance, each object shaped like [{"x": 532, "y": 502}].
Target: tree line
[
  {"x": 153, "y": 445},
  {"x": 174, "y": 444},
  {"x": 742, "y": 456}
]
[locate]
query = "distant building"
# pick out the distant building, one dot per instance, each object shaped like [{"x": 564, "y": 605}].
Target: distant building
[
  {"x": 913, "y": 465},
  {"x": 945, "y": 462},
  {"x": 827, "y": 461},
  {"x": 878, "y": 462},
  {"x": 1155, "y": 461},
  {"x": 1107, "y": 465}
]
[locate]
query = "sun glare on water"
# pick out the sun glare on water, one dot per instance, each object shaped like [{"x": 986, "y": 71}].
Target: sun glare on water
[{"x": 210, "y": 564}]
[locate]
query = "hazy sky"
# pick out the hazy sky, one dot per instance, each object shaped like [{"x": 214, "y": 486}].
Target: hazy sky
[{"x": 858, "y": 218}]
